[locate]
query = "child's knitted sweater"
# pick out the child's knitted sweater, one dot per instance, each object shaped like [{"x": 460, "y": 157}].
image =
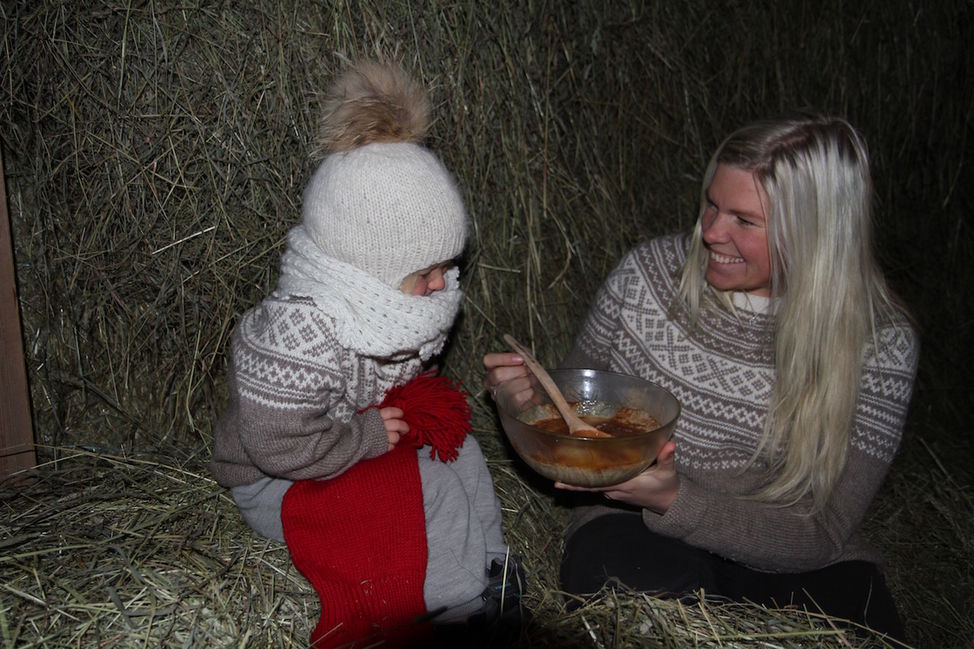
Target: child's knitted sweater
[
  {"x": 295, "y": 393},
  {"x": 302, "y": 368},
  {"x": 722, "y": 371}
]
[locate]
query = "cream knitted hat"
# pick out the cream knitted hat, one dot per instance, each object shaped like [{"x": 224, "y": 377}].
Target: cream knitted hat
[{"x": 380, "y": 200}]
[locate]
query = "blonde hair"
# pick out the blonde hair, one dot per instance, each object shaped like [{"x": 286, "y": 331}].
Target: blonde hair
[{"x": 828, "y": 290}]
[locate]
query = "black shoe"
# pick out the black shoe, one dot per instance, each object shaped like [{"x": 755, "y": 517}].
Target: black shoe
[
  {"x": 505, "y": 587},
  {"x": 498, "y": 622},
  {"x": 503, "y": 615}
]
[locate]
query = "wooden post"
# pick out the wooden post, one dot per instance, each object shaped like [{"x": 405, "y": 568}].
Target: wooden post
[{"x": 16, "y": 429}]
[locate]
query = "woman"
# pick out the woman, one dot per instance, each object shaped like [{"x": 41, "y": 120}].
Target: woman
[{"x": 773, "y": 325}]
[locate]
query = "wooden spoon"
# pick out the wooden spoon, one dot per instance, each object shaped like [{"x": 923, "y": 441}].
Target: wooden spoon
[{"x": 575, "y": 425}]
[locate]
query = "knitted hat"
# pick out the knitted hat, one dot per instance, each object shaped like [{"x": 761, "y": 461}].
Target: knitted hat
[{"x": 380, "y": 200}]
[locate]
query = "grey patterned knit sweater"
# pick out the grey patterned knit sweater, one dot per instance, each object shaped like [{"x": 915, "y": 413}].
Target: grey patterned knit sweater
[
  {"x": 295, "y": 395},
  {"x": 722, "y": 372}
]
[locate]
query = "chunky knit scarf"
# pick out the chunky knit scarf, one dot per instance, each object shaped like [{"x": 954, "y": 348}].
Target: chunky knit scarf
[{"x": 370, "y": 318}]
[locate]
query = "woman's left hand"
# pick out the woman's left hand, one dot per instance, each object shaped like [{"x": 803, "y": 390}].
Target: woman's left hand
[{"x": 655, "y": 488}]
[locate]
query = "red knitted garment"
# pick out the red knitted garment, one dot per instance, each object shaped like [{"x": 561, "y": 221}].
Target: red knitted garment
[
  {"x": 360, "y": 538},
  {"x": 437, "y": 413}
]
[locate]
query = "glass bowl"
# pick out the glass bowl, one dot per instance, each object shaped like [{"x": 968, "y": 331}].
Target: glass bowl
[{"x": 586, "y": 461}]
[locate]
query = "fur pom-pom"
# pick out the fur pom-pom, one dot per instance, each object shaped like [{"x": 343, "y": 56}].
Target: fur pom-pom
[{"x": 373, "y": 102}]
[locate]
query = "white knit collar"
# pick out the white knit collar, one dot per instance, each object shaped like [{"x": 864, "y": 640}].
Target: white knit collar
[
  {"x": 370, "y": 317},
  {"x": 750, "y": 303}
]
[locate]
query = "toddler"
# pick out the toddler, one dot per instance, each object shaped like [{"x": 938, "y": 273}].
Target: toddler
[{"x": 332, "y": 391}]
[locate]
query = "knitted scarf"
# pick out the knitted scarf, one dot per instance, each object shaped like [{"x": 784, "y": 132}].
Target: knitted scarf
[
  {"x": 360, "y": 538},
  {"x": 371, "y": 318}
]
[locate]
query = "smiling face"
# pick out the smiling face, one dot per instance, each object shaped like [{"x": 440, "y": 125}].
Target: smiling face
[{"x": 734, "y": 232}]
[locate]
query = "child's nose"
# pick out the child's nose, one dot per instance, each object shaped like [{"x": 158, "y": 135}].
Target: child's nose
[{"x": 436, "y": 280}]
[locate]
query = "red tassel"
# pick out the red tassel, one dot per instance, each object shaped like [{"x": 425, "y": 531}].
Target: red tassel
[{"x": 437, "y": 412}]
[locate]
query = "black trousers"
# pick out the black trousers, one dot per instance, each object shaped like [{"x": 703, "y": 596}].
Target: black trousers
[{"x": 620, "y": 547}]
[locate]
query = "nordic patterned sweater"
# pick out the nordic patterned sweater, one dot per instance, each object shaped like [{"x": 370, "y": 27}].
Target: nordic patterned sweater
[
  {"x": 295, "y": 397},
  {"x": 722, "y": 372}
]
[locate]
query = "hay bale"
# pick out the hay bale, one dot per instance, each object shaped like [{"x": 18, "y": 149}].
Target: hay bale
[{"x": 155, "y": 156}]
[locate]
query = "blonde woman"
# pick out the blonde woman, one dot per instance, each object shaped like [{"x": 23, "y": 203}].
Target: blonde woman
[{"x": 773, "y": 325}]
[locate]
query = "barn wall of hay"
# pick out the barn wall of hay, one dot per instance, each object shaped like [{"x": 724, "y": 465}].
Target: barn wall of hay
[{"x": 155, "y": 154}]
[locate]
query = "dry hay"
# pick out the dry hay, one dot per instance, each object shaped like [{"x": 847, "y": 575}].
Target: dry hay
[
  {"x": 155, "y": 156},
  {"x": 140, "y": 551},
  {"x": 110, "y": 550}
]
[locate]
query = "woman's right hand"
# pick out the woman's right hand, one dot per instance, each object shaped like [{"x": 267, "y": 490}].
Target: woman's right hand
[
  {"x": 508, "y": 369},
  {"x": 501, "y": 367}
]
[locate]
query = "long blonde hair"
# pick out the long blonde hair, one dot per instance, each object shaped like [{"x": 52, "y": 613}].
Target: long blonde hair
[{"x": 827, "y": 288}]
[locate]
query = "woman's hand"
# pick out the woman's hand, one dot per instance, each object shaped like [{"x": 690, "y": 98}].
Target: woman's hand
[
  {"x": 501, "y": 367},
  {"x": 508, "y": 369},
  {"x": 395, "y": 425},
  {"x": 655, "y": 488}
]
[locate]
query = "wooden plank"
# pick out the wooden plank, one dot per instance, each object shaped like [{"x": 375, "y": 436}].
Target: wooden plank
[{"x": 16, "y": 429}]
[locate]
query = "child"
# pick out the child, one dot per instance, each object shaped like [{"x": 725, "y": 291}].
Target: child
[{"x": 313, "y": 449}]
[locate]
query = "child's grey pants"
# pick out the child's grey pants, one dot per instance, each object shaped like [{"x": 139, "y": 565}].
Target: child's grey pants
[{"x": 463, "y": 525}]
